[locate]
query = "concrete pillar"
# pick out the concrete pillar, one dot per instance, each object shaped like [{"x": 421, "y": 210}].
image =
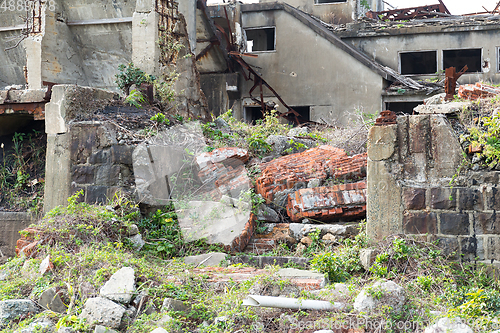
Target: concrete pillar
[
  {"x": 384, "y": 212},
  {"x": 188, "y": 9},
  {"x": 145, "y": 49}
]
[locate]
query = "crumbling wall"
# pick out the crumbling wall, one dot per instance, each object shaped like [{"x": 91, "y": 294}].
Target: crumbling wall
[
  {"x": 83, "y": 155},
  {"x": 411, "y": 166}
]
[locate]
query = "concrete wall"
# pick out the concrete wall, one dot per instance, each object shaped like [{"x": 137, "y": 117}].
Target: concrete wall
[
  {"x": 384, "y": 47},
  {"x": 308, "y": 70},
  {"x": 410, "y": 166}
]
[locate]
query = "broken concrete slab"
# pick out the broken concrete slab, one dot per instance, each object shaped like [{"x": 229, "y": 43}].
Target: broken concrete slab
[
  {"x": 206, "y": 259},
  {"x": 300, "y": 230},
  {"x": 448, "y": 108},
  {"x": 50, "y": 300},
  {"x": 346, "y": 202},
  {"x": 215, "y": 222},
  {"x": 305, "y": 278}
]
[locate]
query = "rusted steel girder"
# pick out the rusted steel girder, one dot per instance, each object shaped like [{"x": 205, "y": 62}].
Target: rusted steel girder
[
  {"x": 450, "y": 82},
  {"x": 410, "y": 13},
  {"x": 37, "y": 109}
]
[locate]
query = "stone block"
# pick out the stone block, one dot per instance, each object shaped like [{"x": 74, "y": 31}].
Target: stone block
[
  {"x": 487, "y": 223},
  {"x": 419, "y": 134},
  {"x": 446, "y": 149},
  {"x": 82, "y": 174},
  {"x": 493, "y": 248},
  {"x": 11, "y": 224},
  {"x": 443, "y": 198},
  {"x": 107, "y": 175},
  {"x": 367, "y": 257},
  {"x": 381, "y": 142},
  {"x": 15, "y": 309},
  {"x": 469, "y": 199},
  {"x": 120, "y": 286},
  {"x": 420, "y": 223},
  {"x": 121, "y": 154},
  {"x": 468, "y": 246},
  {"x": 83, "y": 142},
  {"x": 492, "y": 198},
  {"x": 449, "y": 246},
  {"x": 101, "y": 156},
  {"x": 103, "y": 311},
  {"x": 454, "y": 224},
  {"x": 414, "y": 198},
  {"x": 96, "y": 194}
]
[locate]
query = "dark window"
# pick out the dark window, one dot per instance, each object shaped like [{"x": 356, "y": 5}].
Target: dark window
[
  {"x": 304, "y": 114},
  {"x": 261, "y": 39},
  {"x": 402, "y": 107},
  {"x": 460, "y": 58},
  {"x": 329, "y": 1},
  {"x": 253, "y": 113},
  {"x": 418, "y": 62}
]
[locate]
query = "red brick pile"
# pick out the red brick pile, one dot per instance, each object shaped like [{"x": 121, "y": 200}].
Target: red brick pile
[
  {"x": 223, "y": 172},
  {"x": 317, "y": 163},
  {"x": 478, "y": 90},
  {"x": 346, "y": 201}
]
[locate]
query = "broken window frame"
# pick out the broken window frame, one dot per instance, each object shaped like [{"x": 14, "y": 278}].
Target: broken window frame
[
  {"x": 400, "y": 63},
  {"x": 261, "y": 28},
  {"x": 462, "y": 49},
  {"x": 331, "y": 2}
]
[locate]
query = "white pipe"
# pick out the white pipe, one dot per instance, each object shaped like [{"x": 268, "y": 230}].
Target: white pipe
[{"x": 292, "y": 303}]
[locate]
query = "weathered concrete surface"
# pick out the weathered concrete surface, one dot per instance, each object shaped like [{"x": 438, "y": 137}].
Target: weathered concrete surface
[
  {"x": 206, "y": 259},
  {"x": 384, "y": 214},
  {"x": 103, "y": 311},
  {"x": 10, "y": 225},
  {"x": 392, "y": 295},
  {"x": 120, "y": 286},
  {"x": 216, "y": 222},
  {"x": 452, "y": 107}
]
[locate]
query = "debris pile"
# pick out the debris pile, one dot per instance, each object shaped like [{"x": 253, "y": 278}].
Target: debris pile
[{"x": 476, "y": 91}]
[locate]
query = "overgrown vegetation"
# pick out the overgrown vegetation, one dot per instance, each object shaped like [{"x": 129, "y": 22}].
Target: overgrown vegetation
[{"x": 22, "y": 172}]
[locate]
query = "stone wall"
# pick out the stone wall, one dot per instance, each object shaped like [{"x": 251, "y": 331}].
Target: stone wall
[
  {"x": 83, "y": 155},
  {"x": 410, "y": 168},
  {"x": 12, "y": 223}
]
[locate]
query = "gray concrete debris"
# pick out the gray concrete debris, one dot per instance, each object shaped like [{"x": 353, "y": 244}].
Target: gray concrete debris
[
  {"x": 392, "y": 295},
  {"x": 214, "y": 221},
  {"x": 16, "y": 308},
  {"x": 303, "y": 274},
  {"x": 300, "y": 230},
  {"x": 282, "y": 145},
  {"x": 452, "y": 107},
  {"x": 103, "y": 329},
  {"x": 267, "y": 214},
  {"x": 298, "y": 131},
  {"x": 42, "y": 325},
  {"x": 314, "y": 183},
  {"x": 206, "y": 259},
  {"x": 66, "y": 330},
  {"x": 3, "y": 275},
  {"x": 137, "y": 241},
  {"x": 367, "y": 257},
  {"x": 50, "y": 300},
  {"x": 446, "y": 324},
  {"x": 103, "y": 311},
  {"x": 120, "y": 286},
  {"x": 170, "y": 304},
  {"x": 165, "y": 319},
  {"x": 159, "y": 330}
]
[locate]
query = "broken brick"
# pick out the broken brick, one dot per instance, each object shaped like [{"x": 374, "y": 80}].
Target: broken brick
[
  {"x": 26, "y": 244},
  {"x": 476, "y": 91},
  {"x": 231, "y": 156},
  {"x": 317, "y": 163},
  {"x": 346, "y": 201}
]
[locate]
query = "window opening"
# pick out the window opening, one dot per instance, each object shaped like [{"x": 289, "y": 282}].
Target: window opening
[
  {"x": 329, "y": 1},
  {"x": 460, "y": 58},
  {"x": 262, "y": 39},
  {"x": 424, "y": 62}
]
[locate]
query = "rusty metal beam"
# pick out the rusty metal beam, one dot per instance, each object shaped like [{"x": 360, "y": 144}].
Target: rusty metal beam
[{"x": 36, "y": 109}]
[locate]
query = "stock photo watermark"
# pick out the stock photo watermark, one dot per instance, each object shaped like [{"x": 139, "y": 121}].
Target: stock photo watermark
[{"x": 23, "y": 5}]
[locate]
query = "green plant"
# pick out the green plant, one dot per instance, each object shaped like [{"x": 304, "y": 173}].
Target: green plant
[
  {"x": 129, "y": 75},
  {"x": 160, "y": 118},
  {"x": 135, "y": 98}
]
